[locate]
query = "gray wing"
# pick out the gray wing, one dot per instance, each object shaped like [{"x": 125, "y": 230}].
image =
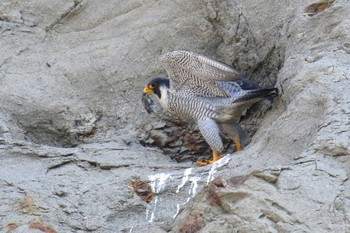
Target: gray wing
[
  {"x": 236, "y": 87},
  {"x": 197, "y": 74}
]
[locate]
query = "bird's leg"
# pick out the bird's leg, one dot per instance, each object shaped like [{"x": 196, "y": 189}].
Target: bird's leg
[
  {"x": 235, "y": 132},
  {"x": 216, "y": 157},
  {"x": 237, "y": 141},
  {"x": 211, "y": 133}
]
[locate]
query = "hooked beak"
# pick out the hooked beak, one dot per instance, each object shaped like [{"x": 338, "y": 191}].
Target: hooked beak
[{"x": 148, "y": 91}]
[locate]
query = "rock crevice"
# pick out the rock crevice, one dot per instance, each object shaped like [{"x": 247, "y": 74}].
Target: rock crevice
[{"x": 70, "y": 114}]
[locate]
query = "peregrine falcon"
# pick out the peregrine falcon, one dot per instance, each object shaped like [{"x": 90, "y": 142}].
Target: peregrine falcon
[{"x": 209, "y": 92}]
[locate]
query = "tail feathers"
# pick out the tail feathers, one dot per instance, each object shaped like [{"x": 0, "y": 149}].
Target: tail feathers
[
  {"x": 258, "y": 94},
  {"x": 234, "y": 111}
]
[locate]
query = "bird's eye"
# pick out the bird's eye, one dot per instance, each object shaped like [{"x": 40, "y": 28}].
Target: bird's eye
[{"x": 152, "y": 85}]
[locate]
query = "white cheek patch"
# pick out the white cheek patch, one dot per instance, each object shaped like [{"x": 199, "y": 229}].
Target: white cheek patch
[{"x": 164, "y": 97}]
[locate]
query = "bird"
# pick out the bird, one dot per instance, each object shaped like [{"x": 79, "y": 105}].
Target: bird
[{"x": 208, "y": 92}]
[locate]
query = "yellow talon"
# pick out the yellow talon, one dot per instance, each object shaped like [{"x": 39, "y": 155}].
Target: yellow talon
[{"x": 216, "y": 157}]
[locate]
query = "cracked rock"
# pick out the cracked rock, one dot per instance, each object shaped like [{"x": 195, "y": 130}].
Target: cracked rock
[{"x": 71, "y": 118}]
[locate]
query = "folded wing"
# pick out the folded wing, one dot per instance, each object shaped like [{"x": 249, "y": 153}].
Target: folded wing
[{"x": 197, "y": 74}]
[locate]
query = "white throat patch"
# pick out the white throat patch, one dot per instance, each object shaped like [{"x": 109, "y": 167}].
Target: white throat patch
[{"x": 164, "y": 97}]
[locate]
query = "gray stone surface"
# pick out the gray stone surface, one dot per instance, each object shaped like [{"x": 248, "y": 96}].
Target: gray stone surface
[{"x": 71, "y": 76}]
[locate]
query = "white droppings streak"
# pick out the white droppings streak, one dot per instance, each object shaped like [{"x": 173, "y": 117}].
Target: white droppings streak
[
  {"x": 158, "y": 181},
  {"x": 194, "y": 185},
  {"x": 157, "y": 184},
  {"x": 217, "y": 165},
  {"x": 177, "y": 210},
  {"x": 192, "y": 190},
  {"x": 151, "y": 209},
  {"x": 187, "y": 172}
]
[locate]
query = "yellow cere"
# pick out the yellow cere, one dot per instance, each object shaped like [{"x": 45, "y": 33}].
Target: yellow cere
[{"x": 148, "y": 90}]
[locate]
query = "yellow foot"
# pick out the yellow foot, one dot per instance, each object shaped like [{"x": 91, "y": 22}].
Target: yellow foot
[
  {"x": 216, "y": 157},
  {"x": 205, "y": 162},
  {"x": 237, "y": 141}
]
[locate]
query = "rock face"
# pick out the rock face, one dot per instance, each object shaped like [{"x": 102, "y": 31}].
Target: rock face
[{"x": 71, "y": 76}]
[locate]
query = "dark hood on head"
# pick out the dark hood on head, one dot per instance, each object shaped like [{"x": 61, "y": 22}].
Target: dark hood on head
[{"x": 159, "y": 82}]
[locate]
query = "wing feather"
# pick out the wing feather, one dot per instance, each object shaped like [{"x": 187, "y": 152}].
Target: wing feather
[{"x": 197, "y": 74}]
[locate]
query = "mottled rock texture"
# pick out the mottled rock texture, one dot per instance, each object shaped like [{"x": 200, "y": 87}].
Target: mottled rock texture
[{"x": 71, "y": 77}]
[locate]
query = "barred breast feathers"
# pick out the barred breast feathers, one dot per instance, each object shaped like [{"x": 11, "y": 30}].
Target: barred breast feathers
[{"x": 190, "y": 107}]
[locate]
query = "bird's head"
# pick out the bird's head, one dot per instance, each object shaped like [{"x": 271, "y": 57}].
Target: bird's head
[{"x": 156, "y": 86}]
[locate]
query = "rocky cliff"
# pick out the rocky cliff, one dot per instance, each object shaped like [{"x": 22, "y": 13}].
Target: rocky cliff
[{"x": 71, "y": 77}]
